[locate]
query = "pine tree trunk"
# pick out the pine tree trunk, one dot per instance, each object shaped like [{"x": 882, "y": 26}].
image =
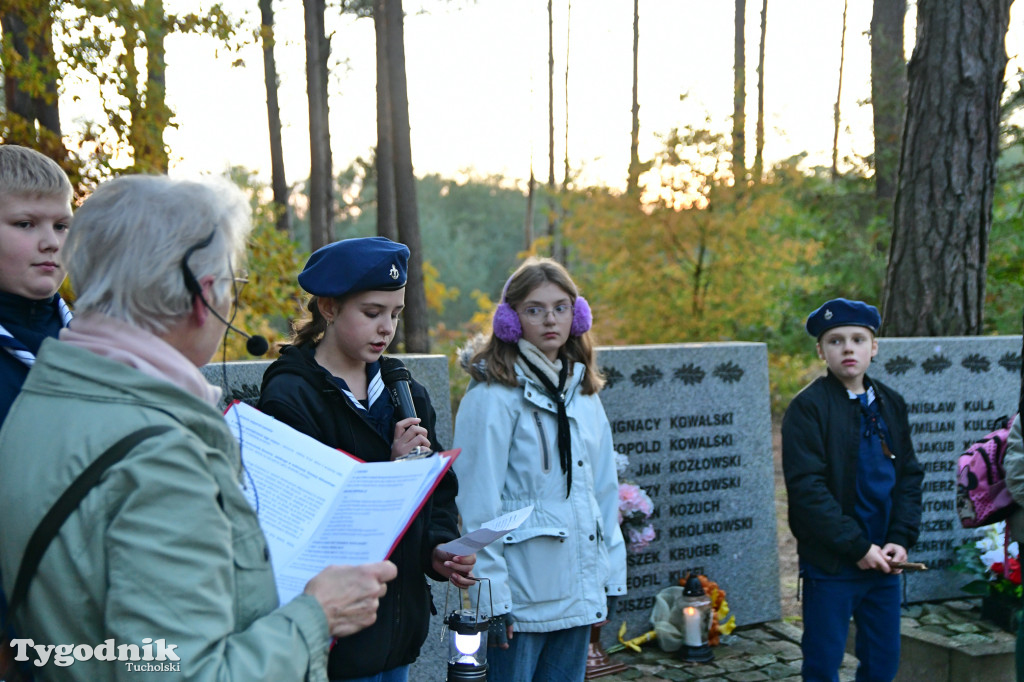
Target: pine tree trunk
[
  {"x": 278, "y": 181},
  {"x": 530, "y": 194},
  {"x": 31, "y": 42},
  {"x": 935, "y": 282},
  {"x": 552, "y": 225},
  {"x": 157, "y": 113},
  {"x": 633, "y": 179},
  {"x": 417, "y": 338},
  {"x": 739, "y": 98},
  {"x": 759, "y": 133},
  {"x": 387, "y": 219},
  {"x": 888, "y": 91},
  {"x": 320, "y": 173},
  {"x": 839, "y": 96}
]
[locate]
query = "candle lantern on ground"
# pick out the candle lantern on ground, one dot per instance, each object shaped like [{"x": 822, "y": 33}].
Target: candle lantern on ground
[
  {"x": 696, "y": 606},
  {"x": 467, "y": 639}
]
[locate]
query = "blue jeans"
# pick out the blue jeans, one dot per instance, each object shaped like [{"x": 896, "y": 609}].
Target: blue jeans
[
  {"x": 559, "y": 656},
  {"x": 874, "y": 602},
  {"x": 399, "y": 674}
]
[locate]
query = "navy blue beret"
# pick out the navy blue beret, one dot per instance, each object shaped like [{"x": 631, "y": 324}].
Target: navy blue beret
[
  {"x": 840, "y": 312},
  {"x": 353, "y": 265}
]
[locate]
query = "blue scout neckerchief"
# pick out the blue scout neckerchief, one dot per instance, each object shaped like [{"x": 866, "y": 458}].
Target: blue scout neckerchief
[
  {"x": 20, "y": 350},
  {"x": 378, "y": 413}
]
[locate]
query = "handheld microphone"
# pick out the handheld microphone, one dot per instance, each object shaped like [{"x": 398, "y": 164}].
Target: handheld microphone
[{"x": 396, "y": 378}]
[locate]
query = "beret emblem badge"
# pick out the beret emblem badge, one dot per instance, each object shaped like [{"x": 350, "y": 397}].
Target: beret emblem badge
[{"x": 393, "y": 272}]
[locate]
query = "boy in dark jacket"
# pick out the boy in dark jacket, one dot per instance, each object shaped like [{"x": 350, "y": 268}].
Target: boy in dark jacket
[{"x": 854, "y": 489}]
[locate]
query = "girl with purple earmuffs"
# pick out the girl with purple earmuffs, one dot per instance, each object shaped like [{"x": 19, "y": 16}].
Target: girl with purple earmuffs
[{"x": 533, "y": 432}]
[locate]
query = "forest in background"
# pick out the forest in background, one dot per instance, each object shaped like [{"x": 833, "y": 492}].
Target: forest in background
[{"x": 699, "y": 247}]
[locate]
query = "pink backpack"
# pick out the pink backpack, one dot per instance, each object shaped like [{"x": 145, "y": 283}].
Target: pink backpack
[{"x": 981, "y": 493}]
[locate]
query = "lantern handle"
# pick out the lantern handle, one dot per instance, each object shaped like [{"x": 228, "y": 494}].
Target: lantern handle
[{"x": 479, "y": 588}]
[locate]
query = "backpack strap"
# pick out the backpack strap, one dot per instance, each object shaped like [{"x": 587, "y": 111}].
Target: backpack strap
[{"x": 51, "y": 523}]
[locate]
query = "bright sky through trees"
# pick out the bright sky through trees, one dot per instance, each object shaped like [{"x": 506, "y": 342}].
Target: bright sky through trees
[{"x": 477, "y": 75}]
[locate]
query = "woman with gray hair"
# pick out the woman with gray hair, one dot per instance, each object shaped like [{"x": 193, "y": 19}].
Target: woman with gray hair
[{"x": 164, "y": 554}]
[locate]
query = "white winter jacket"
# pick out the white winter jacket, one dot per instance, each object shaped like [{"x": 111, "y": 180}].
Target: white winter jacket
[{"x": 556, "y": 570}]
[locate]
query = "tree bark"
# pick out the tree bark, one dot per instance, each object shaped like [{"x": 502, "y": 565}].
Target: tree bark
[
  {"x": 387, "y": 216},
  {"x": 278, "y": 181},
  {"x": 552, "y": 226},
  {"x": 935, "y": 281},
  {"x": 839, "y": 95},
  {"x": 321, "y": 196},
  {"x": 530, "y": 194},
  {"x": 417, "y": 338},
  {"x": 739, "y": 98},
  {"x": 30, "y": 36},
  {"x": 759, "y": 133},
  {"x": 151, "y": 152},
  {"x": 633, "y": 178},
  {"x": 888, "y": 91}
]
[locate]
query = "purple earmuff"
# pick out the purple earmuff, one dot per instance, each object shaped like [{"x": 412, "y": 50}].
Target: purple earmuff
[
  {"x": 506, "y": 323},
  {"x": 582, "y": 318},
  {"x": 508, "y": 328}
]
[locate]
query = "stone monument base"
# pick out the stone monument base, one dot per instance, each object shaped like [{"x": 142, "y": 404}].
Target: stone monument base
[{"x": 949, "y": 642}]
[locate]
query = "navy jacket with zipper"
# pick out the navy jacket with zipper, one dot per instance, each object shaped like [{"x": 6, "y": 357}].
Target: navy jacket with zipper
[
  {"x": 300, "y": 393},
  {"x": 820, "y": 442}
]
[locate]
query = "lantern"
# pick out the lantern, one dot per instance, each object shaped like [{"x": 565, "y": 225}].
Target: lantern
[
  {"x": 467, "y": 639},
  {"x": 696, "y": 606}
]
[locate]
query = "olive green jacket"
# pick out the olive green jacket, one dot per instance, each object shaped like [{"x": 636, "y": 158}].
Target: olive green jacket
[
  {"x": 1013, "y": 464},
  {"x": 165, "y": 547}
]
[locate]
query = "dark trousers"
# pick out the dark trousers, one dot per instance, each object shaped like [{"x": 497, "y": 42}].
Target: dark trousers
[{"x": 873, "y": 600}]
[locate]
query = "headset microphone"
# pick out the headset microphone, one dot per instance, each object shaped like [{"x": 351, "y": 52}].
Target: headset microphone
[{"x": 254, "y": 345}]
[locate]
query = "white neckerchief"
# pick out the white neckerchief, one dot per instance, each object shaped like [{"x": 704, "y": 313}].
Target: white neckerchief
[
  {"x": 373, "y": 391},
  {"x": 871, "y": 394},
  {"x": 20, "y": 350}
]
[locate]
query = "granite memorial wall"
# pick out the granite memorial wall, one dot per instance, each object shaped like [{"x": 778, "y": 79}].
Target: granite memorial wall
[
  {"x": 956, "y": 389},
  {"x": 693, "y": 424}
]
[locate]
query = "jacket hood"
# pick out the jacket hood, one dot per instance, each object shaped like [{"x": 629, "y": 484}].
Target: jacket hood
[{"x": 474, "y": 345}]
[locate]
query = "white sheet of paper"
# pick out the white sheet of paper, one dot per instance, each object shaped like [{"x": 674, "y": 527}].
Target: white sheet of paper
[
  {"x": 319, "y": 506},
  {"x": 486, "y": 534}
]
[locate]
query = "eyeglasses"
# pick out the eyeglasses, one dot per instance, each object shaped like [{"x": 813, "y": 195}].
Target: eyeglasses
[{"x": 537, "y": 315}]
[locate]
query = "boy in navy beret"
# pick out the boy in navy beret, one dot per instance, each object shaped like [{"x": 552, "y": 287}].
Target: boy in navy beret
[
  {"x": 328, "y": 385},
  {"x": 854, "y": 489}
]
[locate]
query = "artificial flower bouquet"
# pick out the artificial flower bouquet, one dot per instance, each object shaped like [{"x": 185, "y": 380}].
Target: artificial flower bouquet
[
  {"x": 994, "y": 564},
  {"x": 635, "y": 509}
]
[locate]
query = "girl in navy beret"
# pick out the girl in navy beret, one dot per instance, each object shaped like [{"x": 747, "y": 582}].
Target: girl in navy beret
[
  {"x": 327, "y": 384},
  {"x": 533, "y": 431}
]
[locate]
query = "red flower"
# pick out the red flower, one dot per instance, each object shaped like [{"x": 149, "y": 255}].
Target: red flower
[
  {"x": 1014, "y": 573},
  {"x": 997, "y": 568}
]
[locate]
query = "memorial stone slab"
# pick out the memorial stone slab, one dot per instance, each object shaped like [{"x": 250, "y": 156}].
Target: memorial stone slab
[
  {"x": 956, "y": 388},
  {"x": 694, "y": 422}
]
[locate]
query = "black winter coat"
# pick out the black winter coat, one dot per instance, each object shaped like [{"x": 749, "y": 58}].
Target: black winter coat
[
  {"x": 300, "y": 393},
  {"x": 820, "y": 443}
]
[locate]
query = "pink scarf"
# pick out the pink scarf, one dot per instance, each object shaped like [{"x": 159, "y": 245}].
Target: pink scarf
[{"x": 121, "y": 342}]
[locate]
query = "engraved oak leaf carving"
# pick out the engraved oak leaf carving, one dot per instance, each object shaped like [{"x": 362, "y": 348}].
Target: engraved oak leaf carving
[
  {"x": 646, "y": 376},
  {"x": 936, "y": 364},
  {"x": 976, "y": 363},
  {"x": 1010, "y": 362},
  {"x": 729, "y": 372},
  {"x": 899, "y": 365},
  {"x": 612, "y": 376},
  {"x": 689, "y": 374}
]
